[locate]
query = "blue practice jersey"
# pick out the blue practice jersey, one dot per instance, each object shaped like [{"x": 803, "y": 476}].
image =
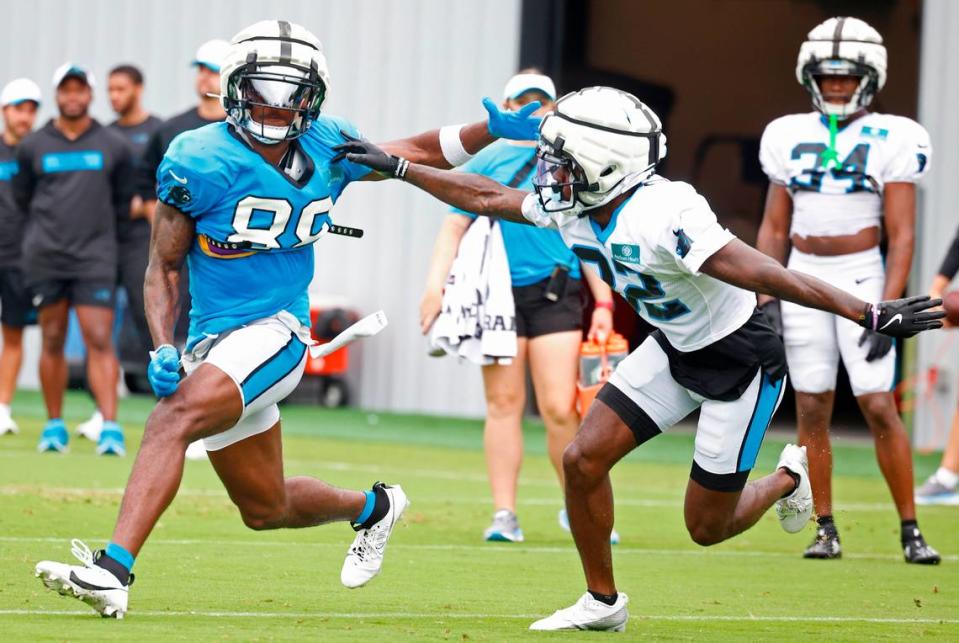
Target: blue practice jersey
[
  {"x": 255, "y": 226},
  {"x": 532, "y": 252}
]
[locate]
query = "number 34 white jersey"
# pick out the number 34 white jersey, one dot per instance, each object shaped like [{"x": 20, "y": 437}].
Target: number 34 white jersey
[
  {"x": 651, "y": 252},
  {"x": 844, "y": 196}
]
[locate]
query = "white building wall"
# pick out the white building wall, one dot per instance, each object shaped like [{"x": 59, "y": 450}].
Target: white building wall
[
  {"x": 937, "y": 379},
  {"x": 398, "y": 67}
]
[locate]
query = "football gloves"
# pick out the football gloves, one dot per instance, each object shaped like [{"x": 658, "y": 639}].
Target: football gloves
[
  {"x": 772, "y": 311},
  {"x": 164, "y": 370},
  {"x": 879, "y": 345},
  {"x": 902, "y": 317},
  {"x": 520, "y": 125},
  {"x": 362, "y": 152}
]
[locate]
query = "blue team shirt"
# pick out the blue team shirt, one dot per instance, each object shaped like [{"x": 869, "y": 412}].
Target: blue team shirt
[
  {"x": 532, "y": 252},
  {"x": 255, "y": 227}
]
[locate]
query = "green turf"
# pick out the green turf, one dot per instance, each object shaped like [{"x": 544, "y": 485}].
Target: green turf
[{"x": 204, "y": 576}]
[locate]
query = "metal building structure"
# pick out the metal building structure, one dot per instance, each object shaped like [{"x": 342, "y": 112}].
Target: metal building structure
[{"x": 397, "y": 68}]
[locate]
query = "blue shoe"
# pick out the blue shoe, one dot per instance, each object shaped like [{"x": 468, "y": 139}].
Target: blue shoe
[
  {"x": 111, "y": 440},
  {"x": 504, "y": 529},
  {"x": 564, "y": 525},
  {"x": 54, "y": 437}
]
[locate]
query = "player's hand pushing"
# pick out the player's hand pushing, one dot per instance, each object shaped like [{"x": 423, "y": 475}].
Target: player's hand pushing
[
  {"x": 164, "y": 370},
  {"x": 903, "y": 317},
  {"x": 362, "y": 152}
]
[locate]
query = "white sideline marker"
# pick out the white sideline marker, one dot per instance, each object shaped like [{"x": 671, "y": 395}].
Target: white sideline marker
[{"x": 366, "y": 327}]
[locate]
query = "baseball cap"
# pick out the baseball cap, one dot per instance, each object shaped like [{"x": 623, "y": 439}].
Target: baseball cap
[
  {"x": 19, "y": 91},
  {"x": 522, "y": 83},
  {"x": 211, "y": 54},
  {"x": 73, "y": 70}
]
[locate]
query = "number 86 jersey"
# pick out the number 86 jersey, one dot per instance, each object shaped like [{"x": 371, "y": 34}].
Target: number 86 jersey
[
  {"x": 651, "y": 252},
  {"x": 255, "y": 224},
  {"x": 842, "y": 195}
]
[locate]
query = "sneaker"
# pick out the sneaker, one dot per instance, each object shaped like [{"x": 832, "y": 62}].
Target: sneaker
[
  {"x": 564, "y": 525},
  {"x": 111, "y": 440},
  {"x": 93, "y": 585},
  {"x": 588, "y": 614},
  {"x": 825, "y": 546},
  {"x": 504, "y": 528},
  {"x": 91, "y": 428},
  {"x": 196, "y": 451},
  {"x": 7, "y": 425},
  {"x": 916, "y": 550},
  {"x": 933, "y": 492},
  {"x": 365, "y": 557},
  {"x": 54, "y": 437},
  {"x": 795, "y": 509}
]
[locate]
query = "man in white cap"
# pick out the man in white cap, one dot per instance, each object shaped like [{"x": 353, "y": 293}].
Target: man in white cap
[
  {"x": 20, "y": 99},
  {"x": 74, "y": 182},
  {"x": 207, "y": 61}
]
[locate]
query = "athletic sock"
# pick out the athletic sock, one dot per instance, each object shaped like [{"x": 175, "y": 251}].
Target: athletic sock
[
  {"x": 377, "y": 504},
  {"x": 827, "y": 524},
  {"x": 607, "y": 599},
  {"x": 5, "y": 410},
  {"x": 795, "y": 477},
  {"x": 909, "y": 530},
  {"x": 118, "y": 561},
  {"x": 947, "y": 478}
]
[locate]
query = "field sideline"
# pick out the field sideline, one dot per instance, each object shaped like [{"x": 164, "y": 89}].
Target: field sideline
[{"x": 204, "y": 575}]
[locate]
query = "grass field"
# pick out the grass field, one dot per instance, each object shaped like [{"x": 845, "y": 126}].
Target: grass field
[{"x": 204, "y": 576}]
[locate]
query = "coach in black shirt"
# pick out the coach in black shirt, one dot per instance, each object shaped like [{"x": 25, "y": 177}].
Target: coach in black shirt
[{"x": 74, "y": 183}]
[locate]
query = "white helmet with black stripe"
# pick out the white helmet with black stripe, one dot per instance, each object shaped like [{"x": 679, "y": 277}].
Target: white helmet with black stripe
[
  {"x": 278, "y": 65},
  {"x": 596, "y": 144},
  {"x": 842, "y": 47}
]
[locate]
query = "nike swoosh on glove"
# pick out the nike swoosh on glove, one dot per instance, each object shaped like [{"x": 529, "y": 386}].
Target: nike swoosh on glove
[
  {"x": 520, "y": 125},
  {"x": 902, "y": 317},
  {"x": 163, "y": 371}
]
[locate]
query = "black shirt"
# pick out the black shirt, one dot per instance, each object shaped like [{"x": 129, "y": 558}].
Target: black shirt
[
  {"x": 158, "y": 144},
  {"x": 73, "y": 193},
  {"x": 950, "y": 263},
  {"x": 137, "y": 136},
  {"x": 11, "y": 217}
]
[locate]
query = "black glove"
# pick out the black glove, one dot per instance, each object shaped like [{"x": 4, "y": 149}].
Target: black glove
[
  {"x": 363, "y": 152},
  {"x": 902, "y": 317},
  {"x": 879, "y": 345},
  {"x": 773, "y": 314}
]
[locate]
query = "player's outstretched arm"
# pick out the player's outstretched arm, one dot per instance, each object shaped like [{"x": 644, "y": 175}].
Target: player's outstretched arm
[
  {"x": 738, "y": 264},
  {"x": 173, "y": 233},
  {"x": 453, "y": 145},
  {"x": 469, "y": 192}
]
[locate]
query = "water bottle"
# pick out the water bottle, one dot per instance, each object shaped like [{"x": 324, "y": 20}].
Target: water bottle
[{"x": 590, "y": 363}]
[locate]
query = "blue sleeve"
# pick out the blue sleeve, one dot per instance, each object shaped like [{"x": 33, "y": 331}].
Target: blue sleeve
[{"x": 190, "y": 177}]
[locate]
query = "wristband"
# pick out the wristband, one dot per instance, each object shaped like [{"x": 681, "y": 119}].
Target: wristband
[
  {"x": 608, "y": 305},
  {"x": 452, "y": 146}
]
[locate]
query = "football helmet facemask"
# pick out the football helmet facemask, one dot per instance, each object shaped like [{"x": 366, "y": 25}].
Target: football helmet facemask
[
  {"x": 274, "y": 65},
  {"x": 596, "y": 144},
  {"x": 842, "y": 47}
]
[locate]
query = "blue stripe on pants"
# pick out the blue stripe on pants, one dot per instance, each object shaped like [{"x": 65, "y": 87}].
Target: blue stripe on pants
[
  {"x": 273, "y": 370},
  {"x": 766, "y": 402}
]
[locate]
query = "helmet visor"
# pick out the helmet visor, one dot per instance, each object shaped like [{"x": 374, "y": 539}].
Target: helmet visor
[
  {"x": 277, "y": 87},
  {"x": 558, "y": 179}
]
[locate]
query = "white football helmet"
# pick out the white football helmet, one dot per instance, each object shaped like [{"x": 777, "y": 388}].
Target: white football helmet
[
  {"x": 842, "y": 47},
  {"x": 276, "y": 64},
  {"x": 596, "y": 144}
]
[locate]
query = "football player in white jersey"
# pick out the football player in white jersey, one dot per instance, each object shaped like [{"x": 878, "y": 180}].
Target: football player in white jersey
[
  {"x": 658, "y": 244},
  {"x": 838, "y": 176}
]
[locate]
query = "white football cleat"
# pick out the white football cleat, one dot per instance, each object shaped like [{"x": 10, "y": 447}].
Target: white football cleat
[
  {"x": 795, "y": 510},
  {"x": 588, "y": 614},
  {"x": 365, "y": 558},
  {"x": 92, "y": 427},
  {"x": 196, "y": 451},
  {"x": 7, "y": 425},
  {"x": 93, "y": 585}
]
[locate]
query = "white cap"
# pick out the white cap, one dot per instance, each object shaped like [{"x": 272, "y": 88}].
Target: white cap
[
  {"x": 19, "y": 91},
  {"x": 211, "y": 54},
  {"x": 522, "y": 83},
  {"x": 73, "y": 70}
]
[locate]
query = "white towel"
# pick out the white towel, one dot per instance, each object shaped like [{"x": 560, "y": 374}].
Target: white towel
[{"x": 478, "y": 319}]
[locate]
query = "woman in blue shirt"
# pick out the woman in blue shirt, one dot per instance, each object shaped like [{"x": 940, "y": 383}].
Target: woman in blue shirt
[{"x": 548, "y": 332}]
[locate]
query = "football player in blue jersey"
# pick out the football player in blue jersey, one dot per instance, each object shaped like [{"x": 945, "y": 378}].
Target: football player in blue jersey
[{"x": 242, "y": 202}]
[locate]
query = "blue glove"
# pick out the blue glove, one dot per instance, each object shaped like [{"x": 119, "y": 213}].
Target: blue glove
[
  {"x": 164, "y": 370},
  {"x": 520, "y": 125}
]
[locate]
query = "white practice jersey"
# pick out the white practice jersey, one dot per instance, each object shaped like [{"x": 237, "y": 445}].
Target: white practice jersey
[
  {"x": 873, "y": 150},
  {"x": 651, "y": 252}
]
